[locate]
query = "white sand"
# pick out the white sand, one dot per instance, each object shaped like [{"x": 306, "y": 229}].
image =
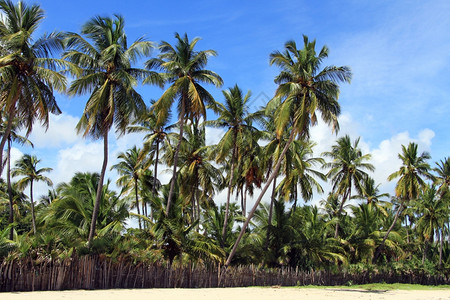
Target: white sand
[{"x": 229, "y": 293}]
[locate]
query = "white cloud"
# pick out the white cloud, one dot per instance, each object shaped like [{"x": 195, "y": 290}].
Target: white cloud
[
  {"x": 81, "y": 157},
  {"x": 61, "y": 132},
  {"x": 213, "y": 135},
  {"x": 384, "y": 155}
]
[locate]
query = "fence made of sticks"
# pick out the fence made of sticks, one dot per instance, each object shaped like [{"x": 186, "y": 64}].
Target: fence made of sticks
[{"x": 96, "y": 272}]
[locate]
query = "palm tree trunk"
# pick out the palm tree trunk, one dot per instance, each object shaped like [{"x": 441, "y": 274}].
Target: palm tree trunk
[
  {"x": 347, "y": 194},
  {"x": 175, "y": 159},
  {"x": 244, "y": 202},
  {"x": 6, "y": 135},
  {"x": 441, "y": 244},
  {"x": 407, "y": 229},
  {"x": 381, "y": 246},
  {"x": 230, "y": 186},
  {"x": 425, "y": 249},
  {"x": 10, "y": 194},
  {"x": 266, "y": 186},
  {"x": 155, "y": 192},
  {"x": 269, "y": 221},
  {"x": 99, "y": 190},
  {"x": 295, "y": 199},
  {"x": 33, "y": 217},
  {"x": 137, "y": 202}
]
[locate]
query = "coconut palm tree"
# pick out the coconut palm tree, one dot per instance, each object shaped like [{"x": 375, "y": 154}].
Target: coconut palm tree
[
  {"x": 199, "y": 178},
  {"x": 433, "y": 212},
  {"x": 300, "y": 176},
  {"x": 14, "y": 136},
  {"x": 411, "y": 176},
  {"x": 27, "y": 167},
  {"x": 443, "y": 176},
  {"x": 371, "y": 193},
  {"x": 183, "y": 68},
  {"x": 311, "y": 244},
  {"x": 155, "y": 137},
  {"x": 304, "y": 89},
  {"x": 365, "y": 232},
  {"x": 104, "y": 70},
  {"x": 236, "y": 119},
  {"x": 131, "y": 168},
  {"x": 347, "y": 170},
  {"x": 71, "y": 214},
  {"x": 27, "y": 72}
]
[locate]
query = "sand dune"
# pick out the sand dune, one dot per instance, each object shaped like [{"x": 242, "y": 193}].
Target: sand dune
[{"x": 229, "y": 293}]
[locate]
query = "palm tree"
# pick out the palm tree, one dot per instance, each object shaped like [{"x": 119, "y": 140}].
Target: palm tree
[
  {"x": 347, "y": 170},
  {"x": 414, "y": 167},
  {"x": 131, "y": 168},
  {"x": 71, "y": 214},
  {"x": 14, "y": 136},
  {"x": 235, "y": 117},
  {"x": 433, "y": 211},
  {"x": 183, "y": 67},
  {"x": 199, "y": 178},
  {"x": 27, "y": 72},
  {"x": 443, "y": 176},
  {"x": 156, "y": 135},
  {"x": 365, "y": 232},
  {"x": 300, "y": 175},
  {"x": 105, "y": 71},
  {"x": 304, "y": 89},
  {"x": 26, "y": 167},
  {"x": 311, "y": 244},
  {"x": 371, "y": 193}
]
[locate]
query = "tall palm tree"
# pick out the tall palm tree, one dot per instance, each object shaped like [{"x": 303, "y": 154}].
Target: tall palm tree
[
  {"x": 304, "y": 89},
  {"x": 411, "y": 176},
  {"x": 236, "y": 119},
  {"x": 199, "y": 178},
  {"x": 14, "y": 136},
  {"x": 347, "y": 170},
  {"x": 184, "y": 68},
  {"x": 27, "y": 167},
  {"x": 155, "y": 137},
  {"x": 27, "y": 72},
  {"x": 104, "y": 69},
  {"x": 131, "y": 167}
]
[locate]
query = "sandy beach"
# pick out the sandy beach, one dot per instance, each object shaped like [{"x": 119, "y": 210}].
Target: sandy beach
[{"x": 230, "y": 293}]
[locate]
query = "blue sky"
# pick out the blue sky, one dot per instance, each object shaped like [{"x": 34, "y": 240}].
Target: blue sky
[{"x": 399, "y": 52}]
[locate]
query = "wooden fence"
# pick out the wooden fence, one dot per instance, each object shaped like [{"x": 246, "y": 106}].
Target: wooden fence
[{"x": 95, "y": 272}]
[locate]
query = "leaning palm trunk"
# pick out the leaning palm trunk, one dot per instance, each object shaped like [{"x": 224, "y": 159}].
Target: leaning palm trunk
[
  {"x": 175, "y": 160},
  {"x": 252, "y": 212},
  {"x": 230, "y": 186},
  {"x": 381, "y": 246},
  {"x": 99, "y": 190},
  {"x": 269, "y": 221}
]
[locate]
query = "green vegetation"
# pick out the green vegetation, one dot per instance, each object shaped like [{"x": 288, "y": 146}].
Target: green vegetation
[
  {"x": 380, "y": 287},
  {"x": 356, "y": 228}
]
